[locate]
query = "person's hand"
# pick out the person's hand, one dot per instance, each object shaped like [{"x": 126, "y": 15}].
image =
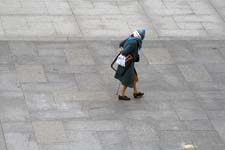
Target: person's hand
[
  {"x": 128, "y": 57},
  {"x": 120, "y": 49}
]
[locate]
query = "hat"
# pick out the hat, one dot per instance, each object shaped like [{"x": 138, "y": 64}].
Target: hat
[
  {"x": 141, "y": 33},
  {"x": 136, "y": 34}
]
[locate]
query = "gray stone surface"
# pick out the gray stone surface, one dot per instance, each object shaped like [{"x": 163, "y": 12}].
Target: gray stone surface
[
  {"x": 23, "y": 48},
  {"x": 209, "y": 138},
  {"x": 207, "y": 55},
  {"x": 72, "y": 146},
  {"x": 158, "y": 56},
  {"x": 13, "y": 109},
  {"x": 30, "y": 73},
  {"x": 61, "y": 95},
  {"x": 39, "y": 101},
  {"x": 20, "y": 136},
  {"x": 86, "y": 19},
  {"x": 114, "y": 140},
  {"x": 198, "y": 125},
  {"x": 102, "y": 125},
  {"x": 2, "y": 140},
  {"x": 188, "y": 114},
  {"x": 18, "y": 141},
  {"x": 9, "y": 82},
  {"x": 194, "y": 72},
  {"x": 49, "y": 132},
  {"x": 79, "y": 57},
  {"x": 219, "y": 126},
  {"x": 49, "y": 87}
]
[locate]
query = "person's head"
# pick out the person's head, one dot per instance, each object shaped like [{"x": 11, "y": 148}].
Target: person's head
[{"x": 139, "y": 33}]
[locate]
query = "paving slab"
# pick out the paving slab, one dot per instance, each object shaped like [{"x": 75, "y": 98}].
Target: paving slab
[
  {"x": 9, "y": 81},
  {"x": 216, "y": 114},
  {"x": 218, "y": 125},
  {"x": 17, "y": 141},
  {"x": 195, "y": 72},
  {"x": 102, "y": 125},
  {"x": 71, "y": 146},
  {"x": 206, "y": 86},
  {"x": 171, "y": 125},
  {"x": 58, "y": 8},
  {"x": 53, "y": 77},
  {"x": 210, "y": 139},
  {"x": 23, "y": 48},
  {"x": 17, "y": 127},
  {"x": 51, "y": 52},
  {"x": 86, "y": 140},
  {"x": 158, "y": 105},
  {"x": 79, "y": 56},
  {"x": 114, "y": 140},
  {"x": 178, "y": 137},
  {"x": 49, "y": 87},
  {"x": 189, "y": 114},
  {"x": 70, "y": 69},
  {"x": 215, "y": 68},
  {"x": 141, "y": 132},
  {"x": 158, "y": 56},
  {"x": 211, "y": 105},
  {"x": 89, "y": 83},
  {"x": 207, "y": 55},
  {"x": 200, "y": 125},
  {"x": 39, "y": 101},
  {"x": 46, "y": 135},
  {"x": 10, "y": 113},
  {"x": 30, "y": 73},
  {"x": 181, "y": 55},
  {"x": 40, "y": 60}
]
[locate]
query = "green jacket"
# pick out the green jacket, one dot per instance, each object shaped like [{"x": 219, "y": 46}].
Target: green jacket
[{"x": 126, "y": 74}]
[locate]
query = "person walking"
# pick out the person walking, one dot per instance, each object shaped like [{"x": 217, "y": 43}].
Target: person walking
[{"x": 128, "y": 75}]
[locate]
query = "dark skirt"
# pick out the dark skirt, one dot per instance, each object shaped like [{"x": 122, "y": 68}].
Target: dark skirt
[{"x": 127, "y": 76}]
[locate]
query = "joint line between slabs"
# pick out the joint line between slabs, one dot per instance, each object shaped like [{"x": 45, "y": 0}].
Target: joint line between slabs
[
  {"x": 75, "y": 19},
  {"x": 209, "y": 1},
  {"x": 3, "y": 134},
  {"x": 146, "y": 14}
]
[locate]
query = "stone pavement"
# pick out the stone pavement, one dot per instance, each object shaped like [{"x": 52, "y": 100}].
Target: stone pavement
[
  {"x": 90, "y": 19},
  {"x": 57, "y": 90},
  {"x": 61, "y": 96}
]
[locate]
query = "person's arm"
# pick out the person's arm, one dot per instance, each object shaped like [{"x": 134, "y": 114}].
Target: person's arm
[
  {"x": 122, "y": 43},
  {"x": 129, "y": 48}
]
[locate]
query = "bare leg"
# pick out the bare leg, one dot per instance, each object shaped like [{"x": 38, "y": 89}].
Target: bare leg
[
  {"x": 123, "y": 90},
  {"x": 135, "y": 83},
  {"x": 137, "y": 94},
  {"x": 135, "y": 87}
]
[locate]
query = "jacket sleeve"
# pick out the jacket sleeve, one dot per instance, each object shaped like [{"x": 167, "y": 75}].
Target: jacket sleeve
[
  {"x": 122, "y": 43},
  {"x": 129, "y": 48}
]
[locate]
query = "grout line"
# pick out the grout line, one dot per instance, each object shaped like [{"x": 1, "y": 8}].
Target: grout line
[
  {"x": 75, "y": 19},
  {"x": 3, "y": 134},
  {"x": 149, "y": 17},
  {"x": 211, "y": 4}
]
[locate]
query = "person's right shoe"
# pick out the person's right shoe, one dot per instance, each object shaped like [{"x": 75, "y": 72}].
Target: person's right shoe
[
  {"x": 138, "y": 95},
  {"x": 123, "y": 98}
]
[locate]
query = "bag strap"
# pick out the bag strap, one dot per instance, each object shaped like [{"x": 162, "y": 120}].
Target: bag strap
[{"x": 115, "y": 61}]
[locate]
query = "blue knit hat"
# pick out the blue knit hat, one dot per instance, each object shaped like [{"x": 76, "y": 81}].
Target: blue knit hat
[{"x": 141, "y": 33}]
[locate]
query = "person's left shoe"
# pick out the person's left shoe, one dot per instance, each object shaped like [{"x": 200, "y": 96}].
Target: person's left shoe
[
  {"x": 138, "y": 95},
  {"x": 123, "y": 98}
]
